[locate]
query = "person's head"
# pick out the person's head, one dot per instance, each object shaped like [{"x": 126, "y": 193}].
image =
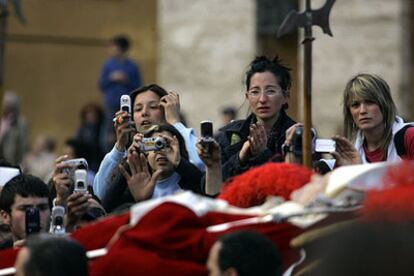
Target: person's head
[
  {"x": 20, "y": 193},
  {"x": 51, "y": 256},
  {"x": 244, "y": 253},
  {"x": 158, "y": 159},
  {"x": 368, "y": 105},
  {"x": 91, "y": 113},
  {"x": 146, "y": 108},
  {"x": 10, "y": 105},
  {"x": 267, "y": 87},
  {"x": 228, "y": 114},
  {"x": 44, "y": 143},
  {"x": 118, "y": 46}
]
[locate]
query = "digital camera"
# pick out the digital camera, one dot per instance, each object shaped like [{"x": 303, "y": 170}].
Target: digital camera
[
  {"x": 297, "y": 141},
  {"x": 57, "y": 226},
  {"x": 75, "y": 164},
  {"x": 81, "y": 184},
  {"x": 32, "y": 220},
  {"x": 153, "y": 144}
]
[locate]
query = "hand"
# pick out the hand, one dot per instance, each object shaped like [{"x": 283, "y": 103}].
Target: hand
[
  {"x": 77, "y": 206},
  {"x": 61, "y": 180},
  {"x": 172, "y": 151},
  {"x": 136, "y": 143},
  {"x": 123, "y": 126},
  {"x": 210, "y": 153},
  {"x": 171, "y": 104},
  {"x": 256, "y": 143},
  {"x": 346, "y": 153},
  {"x": 118, "y": 76},
  {"x": 290, "y": 132},
  {"x": 141, "y": 183}
]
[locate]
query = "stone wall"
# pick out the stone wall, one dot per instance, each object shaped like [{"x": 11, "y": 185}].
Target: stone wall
[{"x": 204, "y": 48}]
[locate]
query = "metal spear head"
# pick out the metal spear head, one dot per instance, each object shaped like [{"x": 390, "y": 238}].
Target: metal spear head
[{"x": 319, "y": 17}]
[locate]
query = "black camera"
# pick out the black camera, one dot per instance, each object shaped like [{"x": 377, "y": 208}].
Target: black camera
[
  {"x": 32, "y": 221},
  {"x": 153, "y": 144},
  {"x": 297, "y": 141}
]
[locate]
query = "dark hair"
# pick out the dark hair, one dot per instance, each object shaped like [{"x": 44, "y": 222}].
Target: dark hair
[
  {"x": 24, "y": 185},
  {"x": 169, "y": 128},
  {"x": 51, "y": 256},
  {"x": 80, "y": 148},
  {"x": 250, "y": 253},
  {"x": 228, "y": 110},
  {"x": 161, "y": 92},
  {"x": 122, "y": 42},
  {"x": 263, "y": 64},
  {"x": 96, "y": 108}
]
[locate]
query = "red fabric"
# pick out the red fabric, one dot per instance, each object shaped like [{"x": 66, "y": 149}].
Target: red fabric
[
  {"x": 272, "y": 179},
  {"x": 409, "y": 143},
  {"x": 169, "y": 240},
  {"x": 395, "y": 203},
  {"x": 7, "y": 257},
  {"x": 375, "y": 155}
]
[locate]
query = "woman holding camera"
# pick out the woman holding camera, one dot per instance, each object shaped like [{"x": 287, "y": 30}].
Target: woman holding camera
[
  {"x": 153, "y": 173},
  {"x": 258, "y": 138},
  {"x": 370, "y": 122},
  {"x": 150, "y": 105}
]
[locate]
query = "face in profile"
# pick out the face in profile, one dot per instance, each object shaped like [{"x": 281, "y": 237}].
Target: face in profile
[
  {"x": 265, "y": 96},
  {"x": 158, "y": 159},
  {"x": 147, "y": 110}
]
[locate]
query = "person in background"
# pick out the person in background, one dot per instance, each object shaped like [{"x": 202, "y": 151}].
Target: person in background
[
  {"x": 48, "y": 255},
  {"x": 120, "y": 75},
  {"x": 40, "y": 160},
  {"x": 244, "y": 253},
  {"x": 13, "y": 130},
  {"x": 258, "y": 138},
  {"x": 75, "y": 148},
  {"x": 90, "y": 133},
  {"x": 228, "y": 114}
]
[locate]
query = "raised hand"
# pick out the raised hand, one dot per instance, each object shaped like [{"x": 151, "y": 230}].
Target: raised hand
[
  {"x": 123, "y": 126},
  {"x": 171, "y": 104},
  {"x": 61, "y": 180},
  {"x": 140, "y": 182},
  {"x": 345, "y": 153},
  {"x": 172, "y": 151},
  {"x": 256, "y": 143}
]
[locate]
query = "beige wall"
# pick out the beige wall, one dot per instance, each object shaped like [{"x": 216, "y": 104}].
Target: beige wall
[
  {"x": 205, "y": 47},
  {"x": 53, "y": 62}
]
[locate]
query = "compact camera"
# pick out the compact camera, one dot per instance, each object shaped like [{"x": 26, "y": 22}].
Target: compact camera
[
  {"x": 75, "y": 164},
  {"x": 32, "y": 221},
  {"x": 318, "y": 145},
  {"x": 57, "y": 226},
  {"x": 207, "y": 138},
  {"x": 153, "y": 144},
  {"x": 81, "y": 184}
]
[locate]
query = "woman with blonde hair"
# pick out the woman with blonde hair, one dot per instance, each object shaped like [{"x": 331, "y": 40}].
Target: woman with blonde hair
[{"x": 371, "y": 123}]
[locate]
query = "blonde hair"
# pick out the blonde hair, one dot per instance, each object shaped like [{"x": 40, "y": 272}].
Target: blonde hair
[{"x": 373, "y": 88}]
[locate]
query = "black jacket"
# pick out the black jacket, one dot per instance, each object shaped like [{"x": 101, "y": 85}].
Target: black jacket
[{"x": 232, "y": 137}]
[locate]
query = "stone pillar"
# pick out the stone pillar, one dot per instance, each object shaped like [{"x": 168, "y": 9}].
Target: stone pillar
[
  {"x": 369, "y": 36},
  {"x": 204, "y": 49}
]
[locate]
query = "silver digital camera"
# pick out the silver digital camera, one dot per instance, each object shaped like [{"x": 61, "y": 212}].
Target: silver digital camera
[
  {"x": 75, "y": 164},
  {"x": 153, "y": 144}
]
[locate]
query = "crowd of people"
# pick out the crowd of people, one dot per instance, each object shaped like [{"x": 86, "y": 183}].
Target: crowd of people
[{"x": 155, "y": 155}]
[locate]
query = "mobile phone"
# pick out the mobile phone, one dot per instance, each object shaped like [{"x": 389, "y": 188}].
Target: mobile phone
[
  {"x": 57, "y": 226},
  {"x": 325, "y": 145},
  {"x": 125, "y": 103},
  {"x": 81, "y": 184},
  {"x": 207, "y": 138},
  {"x": 32, "y": 221}
]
